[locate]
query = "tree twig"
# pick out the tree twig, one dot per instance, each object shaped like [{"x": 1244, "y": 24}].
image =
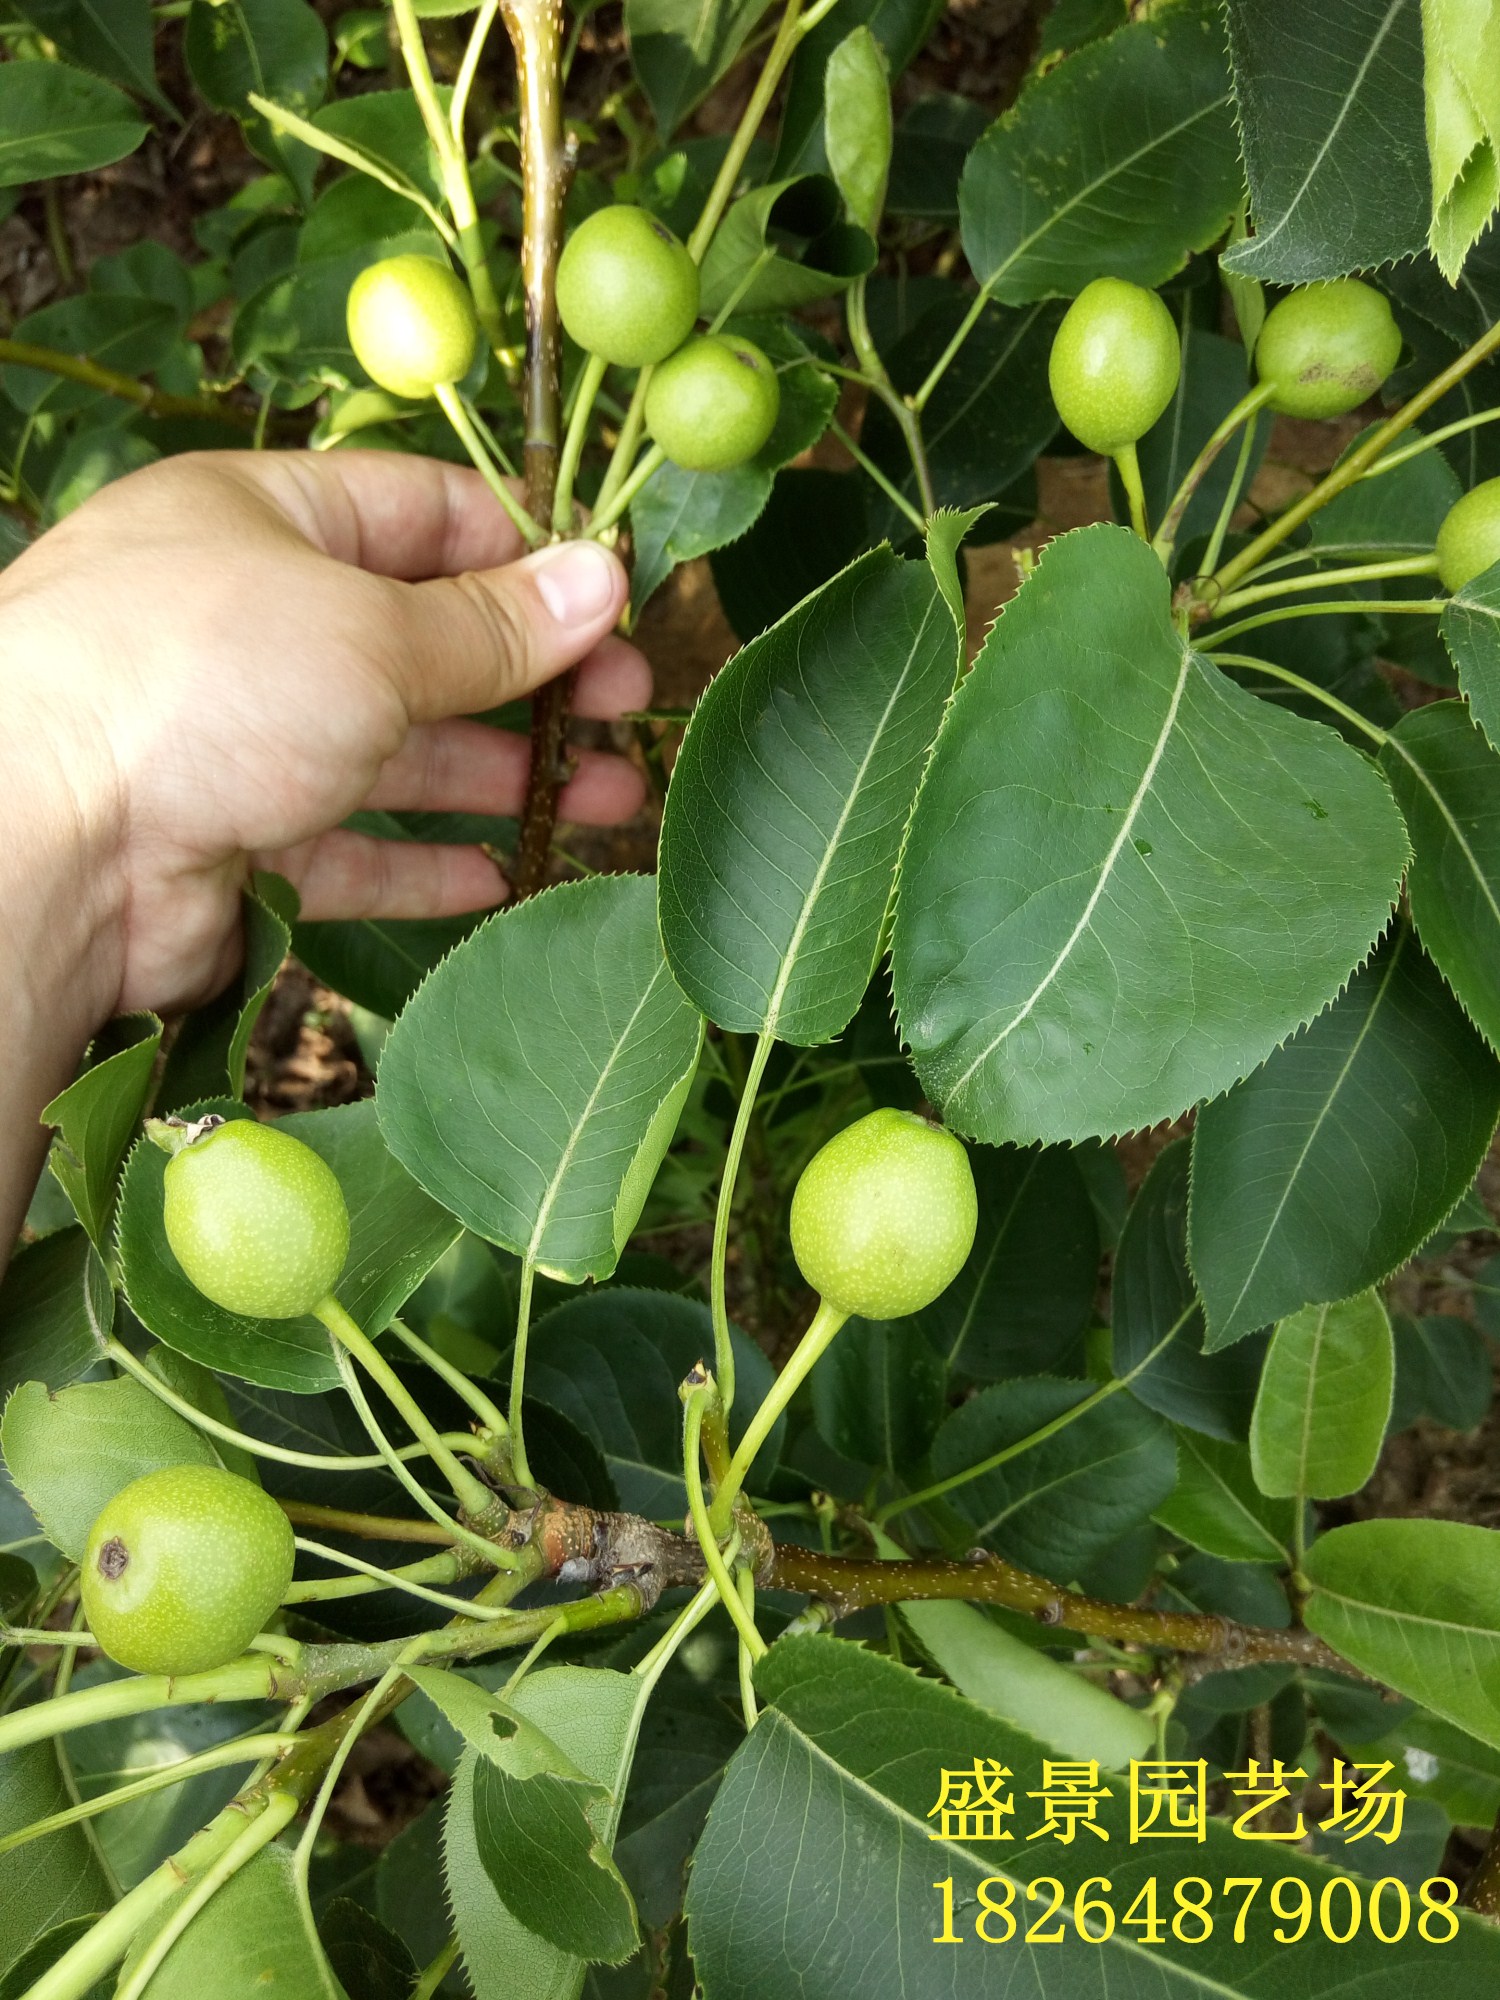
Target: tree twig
[
  {"x": 535, "y": 30},
  {"x": 849, "y": 1583},
  {"x": 109, "y": 382}
]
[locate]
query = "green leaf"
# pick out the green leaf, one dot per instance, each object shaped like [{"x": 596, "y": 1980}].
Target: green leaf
[
  {"x": 55, "y": 1305},
  {"x": 596, "y": 1712},
  {"x": 813, "y": 525},
  {"x": 789, "y": 799},
  {"x": 552, "y": 1872},
  {"x": 1417, "y": 1605},
  {"x": 945, "y": 532},
  {"x": 71, "y": 1451},
  {"x": 387, "y": 127},
  {"x": 534, "y": 1083},
  {"x": 149, "y": 270},
  {"x": 49, "y": 1881},
  {"x": 208, "y": 1053},
  {"x": 1063, "y": 1501},
  {"x": 546, "y": 1858},
  {"x": 376, "y": 962},
  {"x": 408, "y": 1890},
  {"x": 95, "y": 1118},
  {"x": 1023, "y": 1298},
  {"x": 857, "y": 125},
  {"x": 1461, "y": 50},
  {"x": 91, "y": 461},
  {"x": 1443, "y": 1371},
  {"x": 878, "y": 1393},
  {"x": 111, "y": 37},
  {"x": 1162, "y": 879},
  {"x": 55, "y": 120},
  {"x": 1158, "y": 1317},
  {"x": 397, "y": 1234},
  {"x": 1330, "y": 109},
  {"x": 932, "y": 141},
  {"x": 901, "y": 28},
  {"x": 352, "y": 210},
  {"x": 1217, "y": 1506},
  {"x": 679, "y": 515},
  {"x": 20, "y": 1979},
  {"x": 689, "y": 1731},
  {"x": 138, "y": 1837},
  {"x": 1447, "y": 782},
  {"x": 1435, "y": 1761},
  {"x": 1050, "y": 1701},
  {"x": 272, "y": 48},
  {"x": 680, "y": 49},
  {"x": 611, "y": 1362},
  {"x": 846, "y": 1763},
  {"x": 1118, "y": 162},
  {"x": 130, "y": 335},
  {"x": 247, "y": 1940},
  {"x": 202, "y": 1388},
  {"x": 1325, "y": 1400},
  {"x": 1471, "y": 632},
  {"x": 367, "y": 1958},
  {"x": 790, "y": 237},
  {"x": 990, "y": 414},
  {"x": 1072, "y": 23},
  {"x": 1331, "y": 1165}
]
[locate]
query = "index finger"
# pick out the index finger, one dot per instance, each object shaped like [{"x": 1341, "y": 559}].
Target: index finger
[{"x": 384, "y": 511}]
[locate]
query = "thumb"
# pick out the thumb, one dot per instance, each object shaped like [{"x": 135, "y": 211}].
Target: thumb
[{"x": 473, "y": 641}]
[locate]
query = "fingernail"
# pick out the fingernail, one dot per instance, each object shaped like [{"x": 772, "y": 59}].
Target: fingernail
[{"x": 576, "y": 581}]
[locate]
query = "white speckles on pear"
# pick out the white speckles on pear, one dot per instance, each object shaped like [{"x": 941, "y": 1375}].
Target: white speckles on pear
[
  {"x": 884, "y": 1216},
  {"x": 183, "y": 1568},
  {"x": 257, "y": 1220}
]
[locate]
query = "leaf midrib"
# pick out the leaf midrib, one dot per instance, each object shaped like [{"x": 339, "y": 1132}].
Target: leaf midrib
[
  {"x": 1128, "y": 819},
  {"x": 1405, "y": 1617},
  {"x": 1221, "y": 1484},
  {"x": 1325, "y": 1111},
  {"x": 1350, "y": 97},
  {"x": 1395, "y": 743},
  {"x": 554, "y": 1186},
  {"x": 777, "y": 998},
  {"x": 1151, "y": 1955},
  {"x": 1092, "y": 187},
  {"x": 1304, "y": 1442}
]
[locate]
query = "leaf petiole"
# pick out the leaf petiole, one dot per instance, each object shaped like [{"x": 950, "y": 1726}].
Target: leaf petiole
[
  {"x": 1328, "y": 579},
  {"x": 723, "y": 1347},
  {"x": 312, "y": 1461},
  {"x": 1378, "y": 606},
  {"x": 1248, "y": 405},
  {"x": 457, "y": 412},
  {"x": 1310, "y": 688},
  {"x": 243, "y": 1750},
  {"x": 697, "y": 1391},
  {"x": 412, "y": 1579},
  {"x": 649, "y": 462},
  {"x": 826, "y": 1322},
  {"x": 472, "y": 1494}
]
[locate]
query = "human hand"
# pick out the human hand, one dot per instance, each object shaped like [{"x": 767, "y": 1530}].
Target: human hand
[{"x": 221, "y": 657}]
